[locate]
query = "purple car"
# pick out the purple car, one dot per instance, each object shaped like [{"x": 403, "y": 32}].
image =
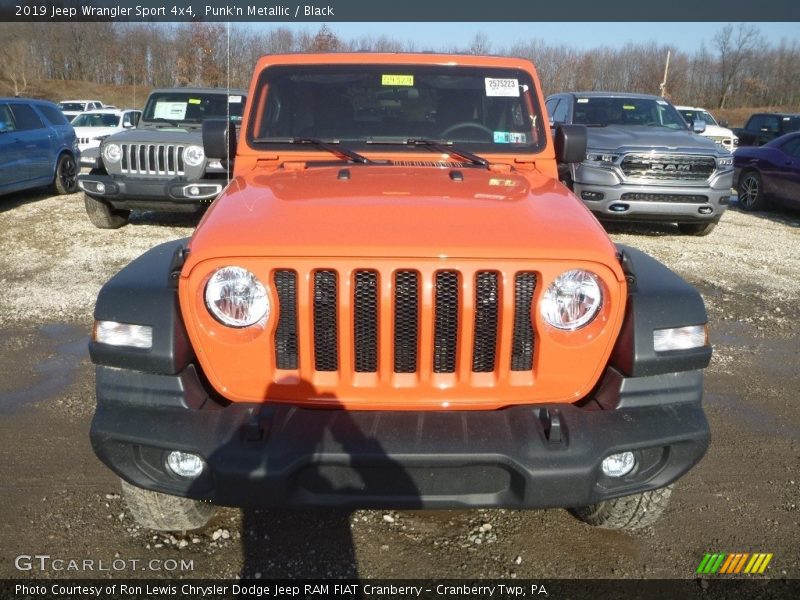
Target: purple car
[{"x": 769, "y": 172}]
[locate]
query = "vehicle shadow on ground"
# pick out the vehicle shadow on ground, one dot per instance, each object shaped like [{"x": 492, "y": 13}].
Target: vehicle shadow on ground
[
  {"x": 17, "y": 199},
  {"x": 332, "y": 459},
  {"x": 171, "y": 219},
  {"x": 644, "y": 229},
  {"x": 774, "y": 212}
]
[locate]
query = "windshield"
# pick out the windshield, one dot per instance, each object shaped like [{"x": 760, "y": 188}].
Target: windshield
[
  {"x": 192, "y": 107},
  {"x": 72, "y": 106},
  {"x": 603, "y": 111},
  {"x": 95, "y": 120},
  {"x": 697, "y": 115},
  {"x": 480, "y": 109}
]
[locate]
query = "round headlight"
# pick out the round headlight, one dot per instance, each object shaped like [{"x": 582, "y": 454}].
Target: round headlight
[
  {"x": 236, "y": 298},
  {"x": 572, "y": 300},
  {"x": 112, "y": 153},
  {"x": 194, "y": 155}
]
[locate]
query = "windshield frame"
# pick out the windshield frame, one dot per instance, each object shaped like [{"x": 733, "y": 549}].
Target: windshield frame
[
  {"x": 530, "y": 102},
  {"x": 185, "y": 96}
]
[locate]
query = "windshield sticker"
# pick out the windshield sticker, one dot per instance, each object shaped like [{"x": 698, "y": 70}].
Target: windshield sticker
[
  {"x": 170, "y": 110},
  {"x": 502, "y": 87},
  {"x": 518, "y": 138},
  {"x": 194, "y": 100},
  {"x": 502, "y": 137},
  {"x": 662, "y": 102},
  {"x": 628, "y": 107},
  {"x": 234, "y": 99},
  {"x": 583, "y": 101},
  {"x": 407, "y": 80}
]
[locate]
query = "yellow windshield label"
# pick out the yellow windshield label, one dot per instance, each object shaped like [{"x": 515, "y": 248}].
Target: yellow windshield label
[
  {"x": 397, "y": 80},
  {"x": 194, "y": 100},
  {"x": 628, "y": 107}
]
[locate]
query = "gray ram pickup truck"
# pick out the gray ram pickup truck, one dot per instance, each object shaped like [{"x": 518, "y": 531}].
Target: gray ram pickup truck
[
  {"x": 643, "y": 163},
  {"x": 160, "y": 165}
]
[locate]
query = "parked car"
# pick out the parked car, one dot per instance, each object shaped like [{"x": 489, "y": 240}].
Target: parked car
[
  {"x": 94, "y": 126},
  {"x": 160, "y": 165},
  {"x": 72, "y": 108},
  {"x": 769, "y": 172},
  {"x": 718, "y": 132},
  {"x": 642, "y": 164},
  {"x": 386, "y": 310},
  {"x": 764, "y": 127},
  {"x": 38, "y": 147}
]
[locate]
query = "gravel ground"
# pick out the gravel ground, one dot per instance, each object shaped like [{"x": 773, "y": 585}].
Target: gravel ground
[{"x": 744, "y": 496}]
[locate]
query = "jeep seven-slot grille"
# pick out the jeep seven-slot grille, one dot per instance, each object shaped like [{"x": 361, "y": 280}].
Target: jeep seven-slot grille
[
  {"x": 446, "y": 315},
  {"x": 153, "y": 159},
  {"x": 663, "y": 167}
]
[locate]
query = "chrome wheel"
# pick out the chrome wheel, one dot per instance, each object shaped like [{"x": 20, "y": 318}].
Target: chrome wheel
[{"x": 751, "y": 196}]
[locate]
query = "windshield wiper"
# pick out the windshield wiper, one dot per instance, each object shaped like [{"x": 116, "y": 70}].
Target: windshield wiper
[
  {"x": 331, "y": 146},
  {"x": 443, "y": 146}
]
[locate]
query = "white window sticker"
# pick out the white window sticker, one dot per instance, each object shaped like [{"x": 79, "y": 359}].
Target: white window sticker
[
  {"x": 502, "y": 87},
  {"x": 583, "y": 101},
  {"x": 170, "y": 110},
  {"x": 234, "y": 99}
]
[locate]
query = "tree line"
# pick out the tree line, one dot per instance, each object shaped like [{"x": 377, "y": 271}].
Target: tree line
[{"x": 736, "y": 67}]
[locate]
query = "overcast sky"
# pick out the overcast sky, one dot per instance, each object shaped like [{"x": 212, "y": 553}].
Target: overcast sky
[{"x": 685, "y": 36}]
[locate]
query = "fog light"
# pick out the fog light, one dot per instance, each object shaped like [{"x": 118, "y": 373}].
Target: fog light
[
  {"x": 100, "y": 187},
  {"x": 705, "y": 210},
  {"x": 123, "y": 334},
  {"x": 194, "y": 190},
  {"x": 680, "y": 338},
  {"x": 592, "y": 195},
  {"x": 185, "y": 464},
  {"x": 618, "y": 465}
]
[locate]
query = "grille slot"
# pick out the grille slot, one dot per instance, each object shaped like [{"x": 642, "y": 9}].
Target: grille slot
[
  {"x": 523, "y": 338},
  {"x": 365, "y": 321},
  {"x": 676, "y": 198},
  {"x": 486, "y": 306},
  {"x": 326, "y": 354},
  {"x": 406, "y": 321},
  {"x": 152, "y": 159},
  {"x": 286, "y": 331},
  {"x": 662, "y": 167},
  {"x": 445, "y": 335}
]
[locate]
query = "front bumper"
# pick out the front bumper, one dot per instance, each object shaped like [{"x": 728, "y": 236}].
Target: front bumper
[
  {"x": 610, "y": 198},
  {"x": 129, "y": 193},
  {"x": 281, "y": 455}
]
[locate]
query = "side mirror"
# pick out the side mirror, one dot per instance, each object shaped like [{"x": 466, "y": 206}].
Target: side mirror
[
  {"x": 723, "y": 123},
  {"x": 127, "y": 125},
  {"x": 570, "y": 142},
  {"x": 699, "y": 126},
  {"x": 219, "y": 141}
]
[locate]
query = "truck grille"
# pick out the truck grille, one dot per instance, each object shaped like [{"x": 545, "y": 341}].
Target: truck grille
[
  {"x": 662, "y": 167},
  {"x": 674, "y": 198},
  {"x": 153, "y": 159},
  {"x": 441, "y": 318}
]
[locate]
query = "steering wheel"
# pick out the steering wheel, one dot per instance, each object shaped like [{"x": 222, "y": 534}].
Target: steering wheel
[{"x": 467, "y": 125}]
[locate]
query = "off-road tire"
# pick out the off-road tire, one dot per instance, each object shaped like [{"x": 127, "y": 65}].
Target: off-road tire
[
  {"x": 162, "y": 512},
  {"x": 65, "y": 180},
  {"x": 751, "y": 191},
  {"x": 628, "y": 513},
  {"x": 696, "y": 229},
  {"x": 102, "y": 215}
]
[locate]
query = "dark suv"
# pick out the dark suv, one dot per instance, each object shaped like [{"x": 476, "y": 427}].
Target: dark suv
[
  {"x": 160, "y": 165},
  {"x": 38, "y": 147}
]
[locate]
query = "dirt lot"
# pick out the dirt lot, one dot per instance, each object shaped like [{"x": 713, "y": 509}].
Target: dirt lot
[{"x": 57, "y": 499}]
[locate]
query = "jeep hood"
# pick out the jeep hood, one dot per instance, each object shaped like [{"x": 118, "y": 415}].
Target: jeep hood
[
  {"x": 394, "y": 211},
  {"x": 165, "y": 135},
  {"x": 633, "y": 137}
]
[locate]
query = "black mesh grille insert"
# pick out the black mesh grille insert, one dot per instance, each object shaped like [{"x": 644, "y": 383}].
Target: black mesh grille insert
[
  {"x": 445, "y": 334},
  {"x": 486, "y": 307},
  {"x": 365, "y": 321},
  {"x": 406, "y": 321},
  {"x": 523, "y": 341},
  {"x": 286, "y": 332},
  {"x": 326, "y": 356}
]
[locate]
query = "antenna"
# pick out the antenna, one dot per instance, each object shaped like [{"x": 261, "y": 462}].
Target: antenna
[{"x": 663, "y": 86}]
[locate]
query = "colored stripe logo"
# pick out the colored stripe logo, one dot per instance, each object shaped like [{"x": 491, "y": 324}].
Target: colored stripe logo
[{"x": 720, "y": 563}]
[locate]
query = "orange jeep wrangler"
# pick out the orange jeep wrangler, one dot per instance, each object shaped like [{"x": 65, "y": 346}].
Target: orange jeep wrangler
[{"x": 395, "y": 303}]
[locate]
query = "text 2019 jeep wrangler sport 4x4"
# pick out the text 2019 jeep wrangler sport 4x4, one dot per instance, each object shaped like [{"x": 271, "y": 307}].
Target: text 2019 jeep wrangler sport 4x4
[{"x": 395, "y": 303}]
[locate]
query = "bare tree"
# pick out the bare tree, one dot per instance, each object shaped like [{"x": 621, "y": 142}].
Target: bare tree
[{"x": 735, "y": 48}]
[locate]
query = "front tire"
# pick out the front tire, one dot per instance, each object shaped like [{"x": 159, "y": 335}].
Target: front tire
[
  {"x": 628, "y": 513},
  {"x": 751, "y": 191},
  {"x": 66, "y": 177},
  {"x": 102, "y": 215},
  {"x": 697, "y": 229},
  {"x": 162, "y": 512}
]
